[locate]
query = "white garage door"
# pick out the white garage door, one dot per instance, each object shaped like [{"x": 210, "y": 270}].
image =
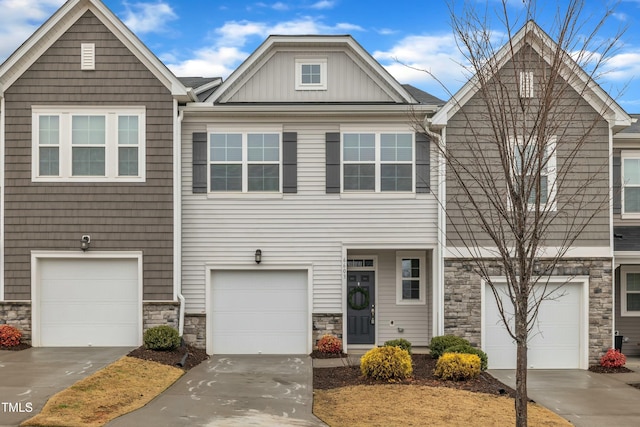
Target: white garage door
[
  {"x": 258, "y": 312},
  {"x": 88, "y": 302},
  {"x": 555, "y": 341}
]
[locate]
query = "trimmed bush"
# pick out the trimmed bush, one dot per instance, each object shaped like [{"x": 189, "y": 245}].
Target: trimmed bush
[
  {"x": 9, "y": 336},
  {"x": 467, "y": 349},
  {"x": 161, "y": 338},
  {"x": 440, "y": 344},
  {"x": 400, "y": 342},
  {"x": 330, "y": 344},
  {"x": 386, "y": 363},
  {"x": 457, "y": 366},
  {"x": 613, "y": 359}
]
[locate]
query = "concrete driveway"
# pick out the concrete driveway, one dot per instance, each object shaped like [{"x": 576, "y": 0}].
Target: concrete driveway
[
  {"x": 30, "y": 377},
  {"x": 257, "y": 390},
  {"x": 585, "y": 398}
]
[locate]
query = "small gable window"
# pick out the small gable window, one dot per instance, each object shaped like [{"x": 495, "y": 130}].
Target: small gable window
[{"x": 311, "y": 74}]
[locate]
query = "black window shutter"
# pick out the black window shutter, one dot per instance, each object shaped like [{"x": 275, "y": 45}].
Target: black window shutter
[
  {"x": 333, "y": 162},
  {"x": 423, "y": 163},
  {"x": 290, "y": 162},
  {"x": 199, "y": 162},
  {"x": 617, "y": 185}
]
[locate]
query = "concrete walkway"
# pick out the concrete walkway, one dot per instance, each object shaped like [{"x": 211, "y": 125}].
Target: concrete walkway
[
  {"x": 584, "y": 398},
  {"x": 30, "y": 377},
  {"x": 257, "y": 390}
]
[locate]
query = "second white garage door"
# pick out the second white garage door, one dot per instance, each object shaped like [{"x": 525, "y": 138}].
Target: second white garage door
[
  {"x": 88, "y": 302},
  {"x": 258, "y": 312},
  {"x": 556, "y": 341}
]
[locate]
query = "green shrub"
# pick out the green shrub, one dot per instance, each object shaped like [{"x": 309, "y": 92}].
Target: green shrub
[
  {"x": 467, "y": 349},
  {"x": 386, "y": 363},
  {"x": 9, "y": 336},
  {"x": 162, "y": 338},
  {"x": 330, "y": 344},
  {"x": 400, "y": 342},
  {"x": 457, "y": 366},
  {"x": 440, "y": 344}
]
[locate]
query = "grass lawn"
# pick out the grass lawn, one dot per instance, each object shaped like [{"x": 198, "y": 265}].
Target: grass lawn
[
  {"x": 122, "y": 387},
  {"x": 408, "y": 405}
]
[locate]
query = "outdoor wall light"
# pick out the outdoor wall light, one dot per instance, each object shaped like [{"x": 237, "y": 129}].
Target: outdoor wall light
[
  {"x": 85, "y": 242},
  {"x": 258, "y": 256}
]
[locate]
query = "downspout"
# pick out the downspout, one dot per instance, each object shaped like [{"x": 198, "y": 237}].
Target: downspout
[
  {"x": 442, "y": 230},
  {"x": 2, "y": 184},
  {"x": 611, "y": 243},
  {"x": 177, "y": 213}
]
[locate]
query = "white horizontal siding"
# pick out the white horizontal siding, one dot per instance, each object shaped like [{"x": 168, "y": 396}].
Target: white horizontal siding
[
  {"x": 415, "y": 320},
  {"x": 307, "y": 227}
]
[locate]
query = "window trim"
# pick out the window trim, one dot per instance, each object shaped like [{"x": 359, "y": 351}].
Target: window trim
[
  {"x": 421, "y": 256},
  {"x": 551, "y": 169},
  {"x": 65, "y": 114},
  {"x": 623, "y": 290},
  {"x": 245, "y": 131},
  {"x": 627, "y": 154},
  {"x": 377, "y": 158},
  {"x": 299, "y": 62}
]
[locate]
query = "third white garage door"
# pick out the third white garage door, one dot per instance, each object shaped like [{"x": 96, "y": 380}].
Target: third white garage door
[
  {"x": 258, "y": 312},
  {"x": 557, "y": 340}
]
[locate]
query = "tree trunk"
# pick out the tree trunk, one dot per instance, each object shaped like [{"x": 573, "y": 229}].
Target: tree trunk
[{"x": 521, "y": 370}]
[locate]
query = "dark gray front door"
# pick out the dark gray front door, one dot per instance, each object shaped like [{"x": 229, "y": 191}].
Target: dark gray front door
[{"x": 361, "y": 307}]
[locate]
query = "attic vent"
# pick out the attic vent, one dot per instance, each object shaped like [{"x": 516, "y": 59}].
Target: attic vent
[
  {"x": 87, "y": 56},
  {"x": 526, "y": 84}
]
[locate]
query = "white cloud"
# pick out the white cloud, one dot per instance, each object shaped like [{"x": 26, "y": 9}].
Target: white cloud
[
  {"x": 231, "y": 40},
  {"x": 19, "y": 19},
  {"x": 323, "y": 4},
  {"x": 408, "y": 60},
  {"x": 144, "y": 18}
]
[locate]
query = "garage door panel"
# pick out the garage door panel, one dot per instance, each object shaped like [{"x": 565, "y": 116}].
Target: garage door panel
[
  {"x": 555, "y": 340},
  {"x": 259, "y": 312},
  {"x": 89, "y": 302}
]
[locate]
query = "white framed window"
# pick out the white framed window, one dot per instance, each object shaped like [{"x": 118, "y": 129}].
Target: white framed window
[
  {"x": 88, "y": 144},
  {"x": 311, "y": 73},
  {"x": 245, "y": 162},
  {"x": 411, "y": 278},
  {"x": 630, "y": 191},
  {"x": 526, "y": 84},
  {"x": 378, "y": 161},
  {"x": 630, "y": 290},
  {"x": 526, "y": 166}
]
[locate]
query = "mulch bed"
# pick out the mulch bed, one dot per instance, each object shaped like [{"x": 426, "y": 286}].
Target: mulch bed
[
  {"x": 604, "y": 370},
  {"x": 19, "y": 347},
  {"x": 174, "y": 357},
  {"x": 423, "y": 367}
]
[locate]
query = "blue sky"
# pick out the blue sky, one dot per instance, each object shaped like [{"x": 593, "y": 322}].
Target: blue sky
[{"x": 212, "y": 37}]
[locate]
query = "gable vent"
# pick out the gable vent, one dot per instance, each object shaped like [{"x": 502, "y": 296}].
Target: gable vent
[
  {"x": 88, "y": 56},
  {"x": 526, "y": 84}
]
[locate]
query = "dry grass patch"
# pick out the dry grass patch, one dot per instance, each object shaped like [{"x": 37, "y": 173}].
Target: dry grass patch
[
  {"x": 123, "y": 386},
  {"x": 389, "y": 405}
]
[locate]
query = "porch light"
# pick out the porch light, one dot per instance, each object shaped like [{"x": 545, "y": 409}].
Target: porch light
[
  {"x": 258, "y": 256},
  {"x": 85, "y": 242}
]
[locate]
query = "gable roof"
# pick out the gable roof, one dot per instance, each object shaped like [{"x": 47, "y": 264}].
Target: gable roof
[
  {"x": 20, "y": 60},
  {"x": 273, "y": 43},
  {"x": 423, "y": 97},
  {"x": 202, "y": 87},
  {"x": 541, "y": 42}
]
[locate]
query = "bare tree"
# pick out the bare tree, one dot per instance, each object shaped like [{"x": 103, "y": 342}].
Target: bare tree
[{"x": 526, "y": 153}]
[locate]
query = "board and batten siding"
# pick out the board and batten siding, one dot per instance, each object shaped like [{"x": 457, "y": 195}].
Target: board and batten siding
[
  {"x": 118, "y": 216},
  {"x": 347, "y": 81},
  {"x": 309, "y": 226},
  {"x": 465, "y": 132}
]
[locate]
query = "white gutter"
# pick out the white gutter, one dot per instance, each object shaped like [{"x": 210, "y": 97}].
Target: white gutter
[{"x": 177, "y": 212}]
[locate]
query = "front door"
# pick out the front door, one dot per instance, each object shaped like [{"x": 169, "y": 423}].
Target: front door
[{"x": 361, "y": 319}]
